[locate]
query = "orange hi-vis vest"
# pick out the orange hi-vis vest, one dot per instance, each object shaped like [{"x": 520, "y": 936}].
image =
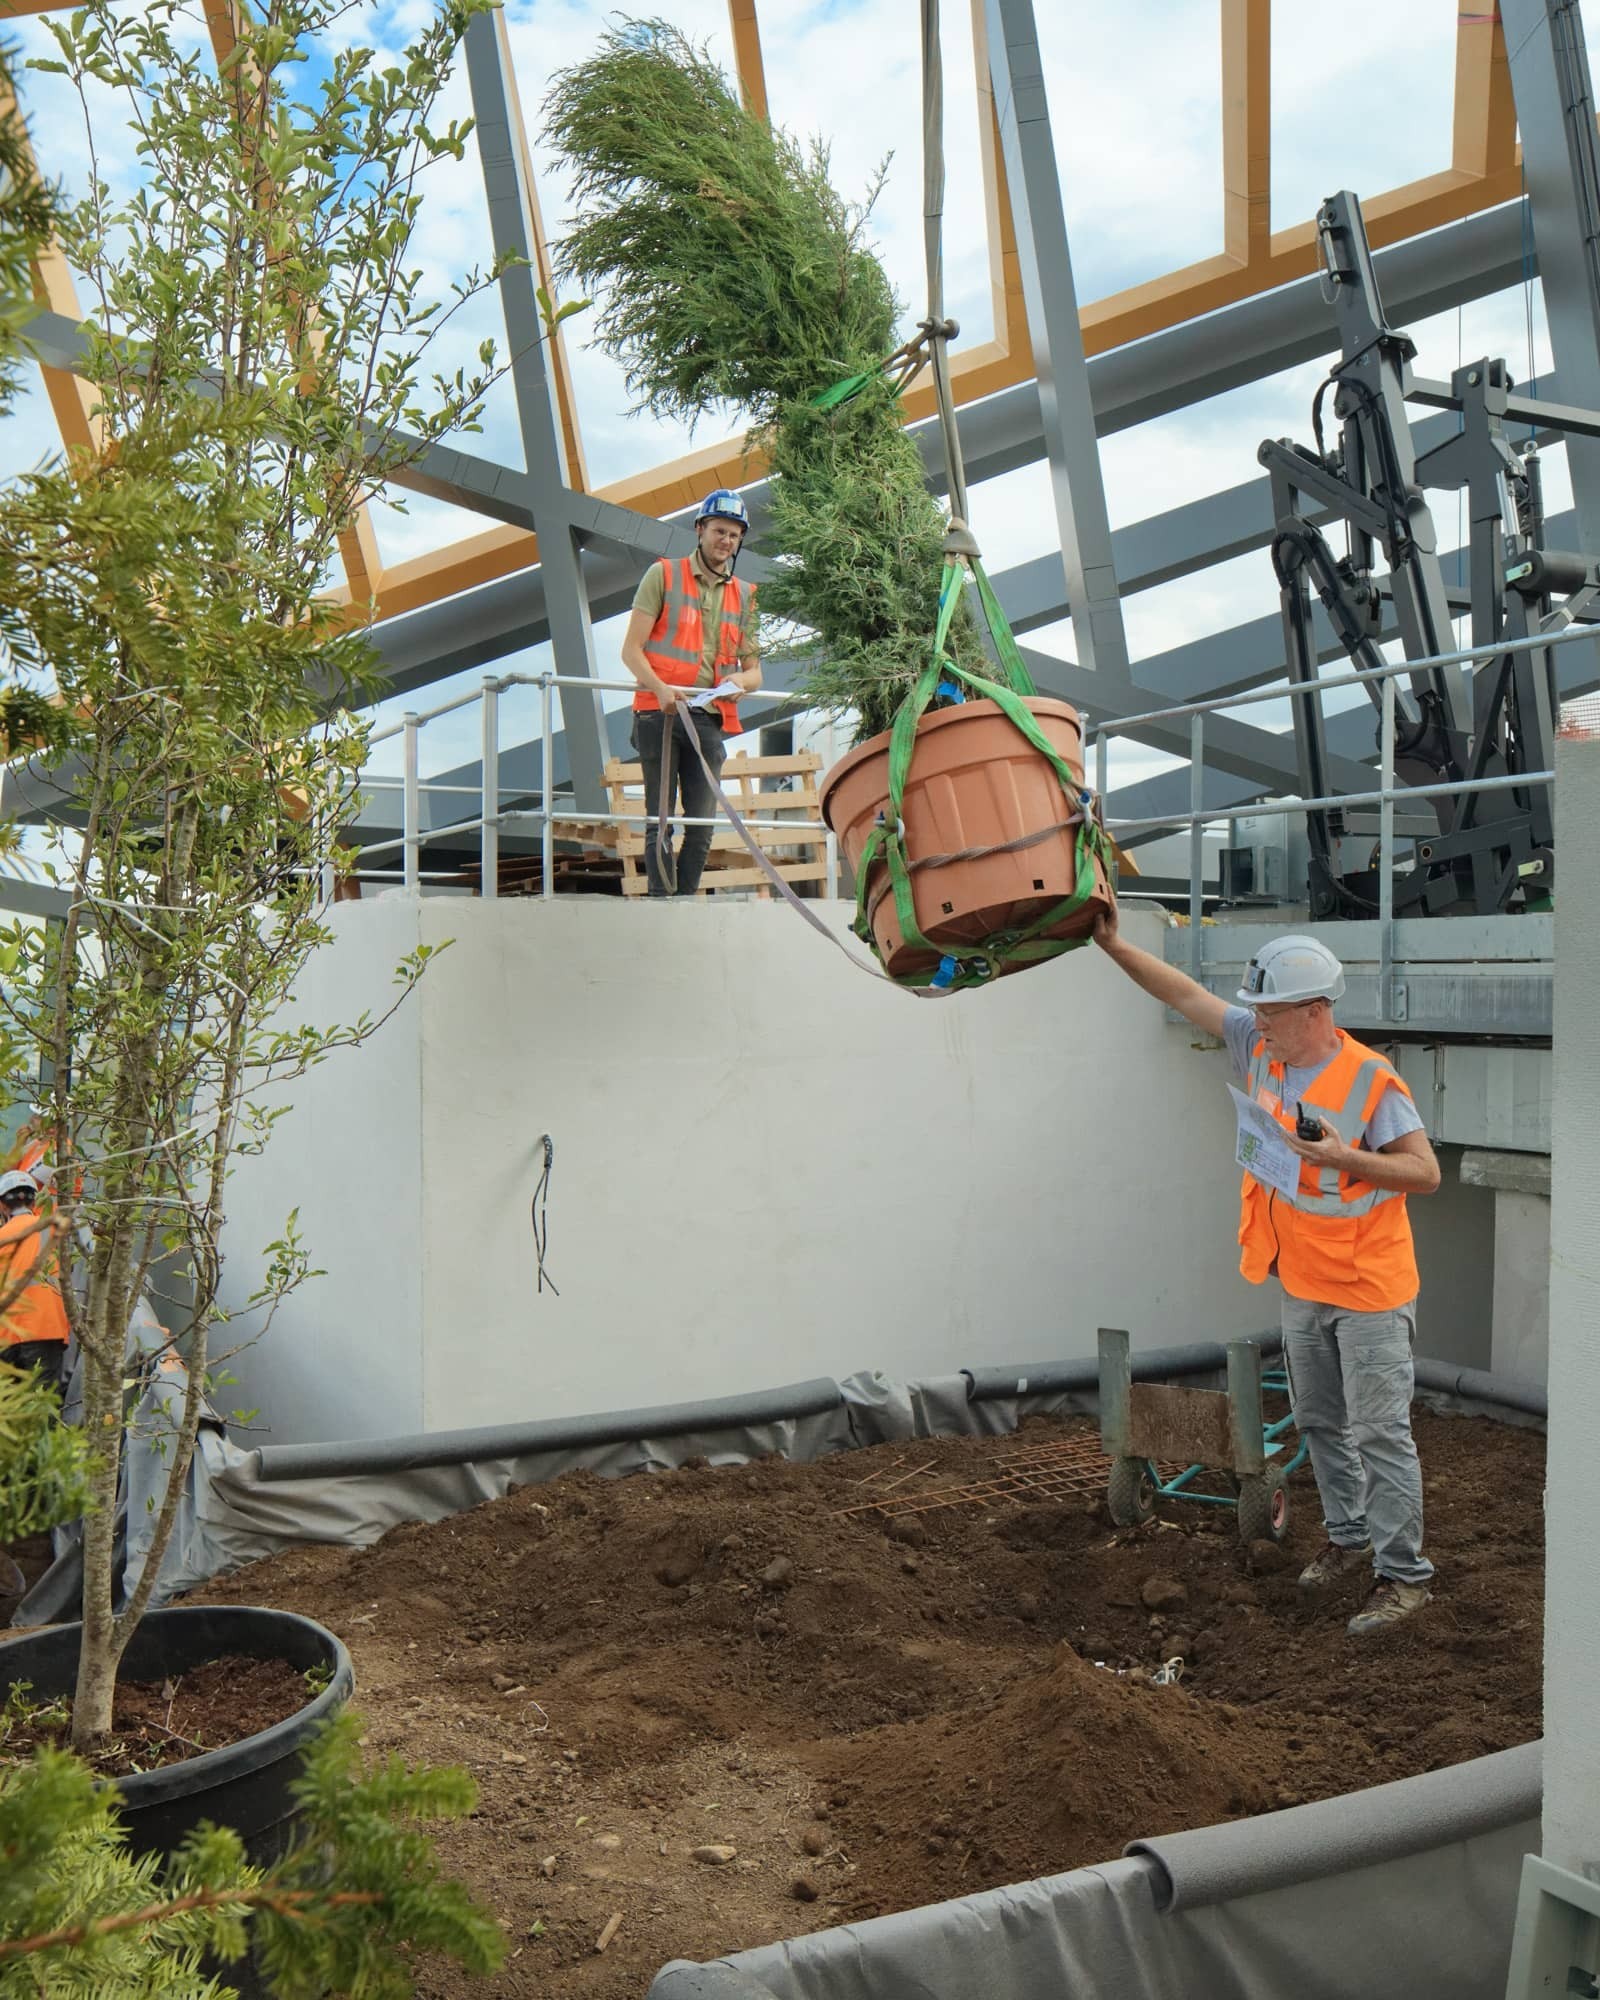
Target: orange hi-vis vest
[
  {"x": 38, "y": 1312},
  {"x": 1339, "y": 1241},
  {"x": 676, "y": 645}
]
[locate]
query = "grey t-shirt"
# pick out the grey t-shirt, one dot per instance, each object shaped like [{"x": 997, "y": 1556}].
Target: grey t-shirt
[{"x": 1395, "y": 1116}]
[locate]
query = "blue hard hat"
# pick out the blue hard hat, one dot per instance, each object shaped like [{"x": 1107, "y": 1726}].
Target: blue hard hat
[{"x": 723, "y": 505}]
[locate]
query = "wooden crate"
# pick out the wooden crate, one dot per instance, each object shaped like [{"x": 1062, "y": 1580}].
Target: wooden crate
[{"x": 800, "y": 858}]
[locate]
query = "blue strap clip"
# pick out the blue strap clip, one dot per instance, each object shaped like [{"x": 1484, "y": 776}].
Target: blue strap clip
[
  {"x": 946, "y": 975},
  {"x": 951, "y": 691}
]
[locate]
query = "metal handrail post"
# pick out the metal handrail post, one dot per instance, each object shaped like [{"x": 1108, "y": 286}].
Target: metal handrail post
[
  {"x": 490, "y": 885},
  {"x": 1197, "y": 834},
  {"x": 411, "y": 811},
  {"x": 1386, "y": 855},
  {"x": 547, "y": 873}
]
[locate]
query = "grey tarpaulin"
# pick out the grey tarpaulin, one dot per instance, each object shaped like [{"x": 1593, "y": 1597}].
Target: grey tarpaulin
[
  {"x": 1383, "y": 1823},
  {"x": 1421, "y": 1909},
  {"x": 239, "y": 1505}
]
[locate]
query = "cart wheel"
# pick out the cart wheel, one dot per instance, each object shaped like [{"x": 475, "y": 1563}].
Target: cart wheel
[
  {"x": 1263, "y": 1507},
  {"x": 1131, "y": 1492}
]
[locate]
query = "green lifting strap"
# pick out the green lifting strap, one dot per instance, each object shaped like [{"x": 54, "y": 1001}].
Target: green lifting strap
[
  {"x": 852, "y": 385},
  {"x": 975, "y": 964}
]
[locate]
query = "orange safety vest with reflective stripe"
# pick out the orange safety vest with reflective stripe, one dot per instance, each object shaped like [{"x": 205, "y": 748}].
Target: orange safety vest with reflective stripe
[
  {"x": 676, "y": 645},
  {"x": 1338, "y": 1241},
  {"x": 38, "y": 1313}
]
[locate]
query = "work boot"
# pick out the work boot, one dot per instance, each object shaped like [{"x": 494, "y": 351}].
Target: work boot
[
  {"x": 1331, "y": 1562},
  {"x": 1389, "y": 1603}
]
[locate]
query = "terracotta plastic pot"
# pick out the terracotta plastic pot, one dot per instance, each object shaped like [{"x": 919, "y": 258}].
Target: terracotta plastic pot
[{"x": 975, "y": 783}]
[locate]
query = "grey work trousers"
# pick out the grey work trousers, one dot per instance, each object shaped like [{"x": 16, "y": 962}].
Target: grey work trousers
[
  {"x": 1350, "y": 1385},
  {"x": 683, "y": 778}
]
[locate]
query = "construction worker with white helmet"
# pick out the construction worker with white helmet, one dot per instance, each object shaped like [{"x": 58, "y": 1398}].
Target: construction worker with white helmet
[
  {"x": 33, "y": 1317},
  {"x": 1340, "y": 1247},
  {"x": 693, "y": 626}
]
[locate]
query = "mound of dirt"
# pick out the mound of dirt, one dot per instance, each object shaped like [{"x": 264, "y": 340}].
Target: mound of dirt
[
  {"x": 1064, "y": 1762},
  {"x": 870, "y": 1710}
]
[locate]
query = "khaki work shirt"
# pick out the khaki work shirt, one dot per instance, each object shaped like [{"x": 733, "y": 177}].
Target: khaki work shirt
[{"x": 652, "y": 594}]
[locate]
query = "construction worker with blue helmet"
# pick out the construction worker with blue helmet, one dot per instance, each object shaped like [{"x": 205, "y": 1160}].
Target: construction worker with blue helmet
[
  {"x": 692, "y": 629},
  {"x": 1327, "y": 1219}
]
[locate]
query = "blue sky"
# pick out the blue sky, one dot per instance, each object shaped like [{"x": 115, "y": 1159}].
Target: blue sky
[{"x": 1137, "y": 121}]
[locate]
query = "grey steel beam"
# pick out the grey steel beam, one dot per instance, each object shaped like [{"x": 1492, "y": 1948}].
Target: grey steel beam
[
  {"x": 1257, "y": 338},
  {"x": 442, "y": 471},
  {"x": 1239, "y": 344},
  {"x": 1066, "y": 408},
  {"x": 1251, "y": 654},
  {"x": 1148, "y": 378},
  {"x": 1556, "y": 114},
  {"x": 1164, "y": 547},
  {"x": 33, "y": 899},
  {"x": 502, "y": 150}
]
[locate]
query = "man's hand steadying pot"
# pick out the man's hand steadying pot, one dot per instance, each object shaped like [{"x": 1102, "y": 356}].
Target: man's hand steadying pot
[{"x": 1107, "y": 931}]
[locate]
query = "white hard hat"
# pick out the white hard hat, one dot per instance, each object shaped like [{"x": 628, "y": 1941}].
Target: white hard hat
[
  {"x": 1291, "y": 968},
  {"x": 16, "y": 1181}
]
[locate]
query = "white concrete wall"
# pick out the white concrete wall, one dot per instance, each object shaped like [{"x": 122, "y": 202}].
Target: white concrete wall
[
  {"x": 1454, "y": 1235},
  {"x": 343, "y": 1358},
  {"x": 767, "y": 1167},
  {"x": 1521, "y": 1347},
  {"x": 1572, "y": 1601}
]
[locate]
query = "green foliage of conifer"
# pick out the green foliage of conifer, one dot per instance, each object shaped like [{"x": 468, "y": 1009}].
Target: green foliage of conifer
[{"x": 732, "y": 278}]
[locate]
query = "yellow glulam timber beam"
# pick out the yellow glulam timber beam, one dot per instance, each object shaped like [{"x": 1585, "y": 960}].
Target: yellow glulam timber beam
[
  {"x": 1484, "y": 140},
  {"x": 1247, "y": 130}
]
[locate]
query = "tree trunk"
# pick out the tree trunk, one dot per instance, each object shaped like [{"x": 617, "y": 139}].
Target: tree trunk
[{"x": 97, "y": 1658}]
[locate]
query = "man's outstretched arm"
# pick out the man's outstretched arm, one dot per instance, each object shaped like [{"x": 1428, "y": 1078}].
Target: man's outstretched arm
[{"x": 1161, "y": 981}]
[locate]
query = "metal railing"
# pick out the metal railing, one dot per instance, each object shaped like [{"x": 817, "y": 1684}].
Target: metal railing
[
  {"x": 491, "y": 817},
  {"x": 1384, "y": 797}
]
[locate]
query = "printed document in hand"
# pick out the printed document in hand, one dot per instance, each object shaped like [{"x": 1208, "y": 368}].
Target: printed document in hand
[
  {"x": 704, "y": 697},
  {"x": 1261, "y": 1149}
]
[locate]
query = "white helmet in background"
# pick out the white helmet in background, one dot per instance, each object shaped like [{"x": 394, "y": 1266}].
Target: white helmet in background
[
  {"x": 17, "y": 1182},
  {"x": 1291, "y": 968}
]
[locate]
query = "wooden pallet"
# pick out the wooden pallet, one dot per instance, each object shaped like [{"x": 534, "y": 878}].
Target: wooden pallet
[{"x": 800, "y": 858}]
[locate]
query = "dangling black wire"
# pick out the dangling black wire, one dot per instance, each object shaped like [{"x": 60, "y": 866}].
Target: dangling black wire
[{"x": 541, "y": 1223}]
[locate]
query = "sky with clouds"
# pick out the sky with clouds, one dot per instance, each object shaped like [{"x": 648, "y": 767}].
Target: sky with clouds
[{"x": 1136, "y": 114}]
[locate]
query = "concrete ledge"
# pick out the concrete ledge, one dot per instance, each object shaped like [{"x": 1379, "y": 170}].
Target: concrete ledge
[{"x": 1508, "y": 1173}]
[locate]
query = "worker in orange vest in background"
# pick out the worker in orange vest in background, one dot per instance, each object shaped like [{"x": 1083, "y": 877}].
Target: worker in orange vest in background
[
  {"x": 693, "y": 626},
  {"x": 1339, "y": 1245},
  {"x": 33, "y": 1325}
]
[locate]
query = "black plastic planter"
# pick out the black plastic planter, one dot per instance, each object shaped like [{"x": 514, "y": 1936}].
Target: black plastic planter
[{"x": 246, "y": 1784}]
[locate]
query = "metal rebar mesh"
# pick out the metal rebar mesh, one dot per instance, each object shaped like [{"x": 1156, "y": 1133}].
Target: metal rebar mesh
[{"x": 1061, "y": 1467}]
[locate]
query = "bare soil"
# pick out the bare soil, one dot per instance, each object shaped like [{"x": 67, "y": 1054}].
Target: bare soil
[
  {"x": 723, "y": 1660},
  {"x": 156, "y": 1723}
]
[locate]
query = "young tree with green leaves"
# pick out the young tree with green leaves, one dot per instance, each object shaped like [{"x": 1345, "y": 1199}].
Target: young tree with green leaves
[
  {"x": 343, "y": 1912},
  {"x": 260, "y": 345}
]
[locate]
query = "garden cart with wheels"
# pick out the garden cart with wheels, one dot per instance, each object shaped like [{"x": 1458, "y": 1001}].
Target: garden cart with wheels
[{"x": 1146, "y": 1425}]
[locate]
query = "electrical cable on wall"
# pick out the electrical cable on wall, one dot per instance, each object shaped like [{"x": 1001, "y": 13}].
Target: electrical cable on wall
[{"x": 540, "y": 1219}]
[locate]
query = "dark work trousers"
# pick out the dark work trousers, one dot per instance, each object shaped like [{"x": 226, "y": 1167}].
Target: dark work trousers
[
  {"x": 44, "y": 1357},
  {"x": 685, "y": 781}
]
